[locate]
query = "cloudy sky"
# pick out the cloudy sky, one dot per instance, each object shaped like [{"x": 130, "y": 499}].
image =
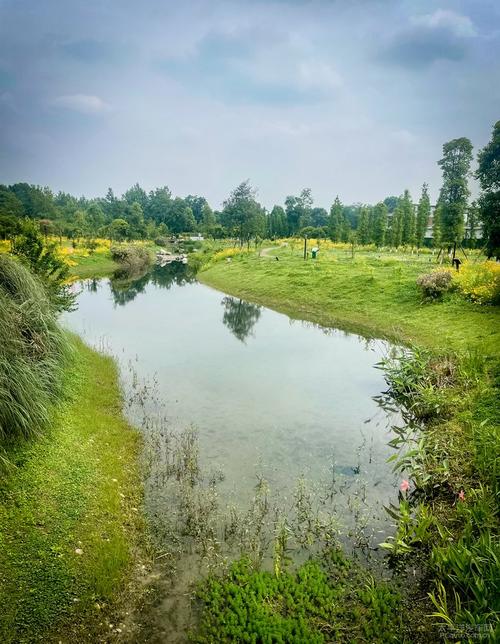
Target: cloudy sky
[{"x": 348, "y": 97}]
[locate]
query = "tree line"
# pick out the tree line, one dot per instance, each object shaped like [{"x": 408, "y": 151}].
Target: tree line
[{"x": 396, "y": 221}]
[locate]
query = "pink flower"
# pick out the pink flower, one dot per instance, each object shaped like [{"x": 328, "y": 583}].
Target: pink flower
[
  {"x": 405, "y": 486},
  {"x": 461, "y": 495}
]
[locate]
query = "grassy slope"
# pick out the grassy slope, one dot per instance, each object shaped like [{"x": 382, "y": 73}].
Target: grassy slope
[
  {"x": 78, "y": 487},
  {"x": 373, "y": 296},
  {"x": 96, "y": 265}
]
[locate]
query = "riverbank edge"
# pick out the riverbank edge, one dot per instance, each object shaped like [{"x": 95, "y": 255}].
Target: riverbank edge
[
  {"x": 73, "y": 533},
  {"x": 471, "y": 406}
]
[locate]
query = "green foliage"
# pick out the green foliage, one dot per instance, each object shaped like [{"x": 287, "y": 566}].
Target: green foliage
[
  {"x": 33, "y": 352},
  {"x": 488, "y": 174},
  {"x": 434, "y": 285},
  {"x": 42, "y": 259},
  {"x": 455, "y": 164},
  {"x": 423, "y": 214},
  {"x": 313, "y": 604}
]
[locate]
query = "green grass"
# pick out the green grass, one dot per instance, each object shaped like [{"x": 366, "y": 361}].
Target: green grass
[
  {"x": 96, "y": 265},
  {"x": 452, "y": 380},
  {"x": 371, "y": 295},
  {"x": 75, "y": 489}
]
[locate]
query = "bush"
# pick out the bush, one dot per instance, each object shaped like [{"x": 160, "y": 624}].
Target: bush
[
  {"x": 161, "y": 241},
  {"x": 132, "y": 257},
  {"x": 33, "y": 349},
  {"x": 479, "y": 282},
  {"x": 434, "y": 285}
]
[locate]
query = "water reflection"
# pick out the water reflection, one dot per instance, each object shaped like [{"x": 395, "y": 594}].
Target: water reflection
[
  {"x": 240, "y": 317},
  {"x": 126, "y": 287}
]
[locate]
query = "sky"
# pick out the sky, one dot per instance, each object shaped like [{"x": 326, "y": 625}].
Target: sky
[{"x": 347, "y": 97}]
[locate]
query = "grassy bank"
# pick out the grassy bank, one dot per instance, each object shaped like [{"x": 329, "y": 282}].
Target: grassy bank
[
  {"x": 373, "y": 294},
  {"x": 447, "y": 521},
  {"x": 96, "y": 265},
  {"x": 70, "y": 520}
]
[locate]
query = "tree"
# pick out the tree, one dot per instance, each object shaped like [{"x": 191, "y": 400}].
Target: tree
[
  {"x": 319, "y": 217},
  {"x": 159, "y": 203},
  {"x": 336, "y": 220},
  {"x": 436, "y": 226},
  {"x": 135, "y": 219},
  {"x": 488, "y": 174},
  {"x": 207, "y": 219},
  {"x": 179, "y": 216},
  {"x": 37, "y": 202},
  {"x": 363, "y": 233},
  {"x": 242, "y": 214},
  {"x": 136, "y": 194},
  {"x": 298, "y": 211},
  {"x": 407, "y": 219},
  {"x": 118, "y": 229},
  {"x": 455, "y": 164},
  {"x": 391, "y": 203},
  {"x": 277, "y": 223},
  {"x": 95, "y": 218},
  {"x": 197, "y": 205},
  {"x": 472, "y": 222},
  {"x": 379, "y": 223},
  {"x": 423, "y": 215},
  {"x": 397, "y": 226}
]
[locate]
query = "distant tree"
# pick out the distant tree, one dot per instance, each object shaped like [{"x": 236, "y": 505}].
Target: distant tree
[
  {"x": 207, "y": 219},
  {"x": 135, "y": 219},
  {"x": 408, "y": 223},
  {"x": 277, "y": 223},
  {"x": 118, "y": 229},
  {"x": 242, "y": 214},
  {"x": 95, "y": 218},
  {"x": 455, "y": 165},
  {"x": 471, "y": 224},
  {"x": 488, "y": 174},
  {"x": 298, "y": 211},
  {"x": 138, "y": 195},
  {"x": 436, "y": 226},
  {"x": 159, "y": 203},
  {"x": 363, "y": 232},
  {"x": 10, "y": 205},
  {"x": 336, "y": 220},
  {"x": 423, "y": 215},
  {"x": 319, "y": 217},
  {"x": 396, "y": 235},
  {"x": 196, "y": 204},
  {"x": 379, "y": 224},
  {"x": 38, "y": 202},
  {"x": 391, "y": 203}
]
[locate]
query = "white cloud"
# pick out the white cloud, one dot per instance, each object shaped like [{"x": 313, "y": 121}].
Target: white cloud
[
  {"x": 318, "y": 74},
  {"x": 83, "y": 103},
  {"x": 455, "y": 22}
]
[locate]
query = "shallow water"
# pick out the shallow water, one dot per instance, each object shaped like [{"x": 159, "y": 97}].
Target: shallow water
[{"x": 270, "y": 397}]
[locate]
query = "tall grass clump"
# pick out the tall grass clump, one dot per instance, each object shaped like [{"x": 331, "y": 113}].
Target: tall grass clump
[{"x": 33, "y": 349}]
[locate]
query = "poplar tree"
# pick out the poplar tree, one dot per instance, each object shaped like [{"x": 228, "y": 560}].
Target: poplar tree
[
  {"x": 407, "y": 219},
  {"x": 335, "y": 220},
  {"x": 423, "y": 214},
  {"x": 455, "y": 164},
  {"x": 379, "y": 223}
]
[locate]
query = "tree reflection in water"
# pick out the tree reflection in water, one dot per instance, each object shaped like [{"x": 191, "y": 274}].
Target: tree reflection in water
[
  {"x": 126, "y": 288},
  {"x": 240, "y": 317}
]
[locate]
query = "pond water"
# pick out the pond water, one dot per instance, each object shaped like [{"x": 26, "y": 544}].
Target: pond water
[{"x": 271, "y": 398}]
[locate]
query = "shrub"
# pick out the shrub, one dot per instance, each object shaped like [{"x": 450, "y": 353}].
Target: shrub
[
  {"x": 434, "y": 285},
  {"x": 161, "y": 241},
  {"x": 479, "y": 282},
  {"x": 33, "y": 349},
  {"x": 132, "y": 257}
]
